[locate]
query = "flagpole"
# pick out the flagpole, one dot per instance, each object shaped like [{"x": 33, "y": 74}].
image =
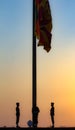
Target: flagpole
[
  {"x": 35, "y": 108},
  {"x": 33, "y": 65}
]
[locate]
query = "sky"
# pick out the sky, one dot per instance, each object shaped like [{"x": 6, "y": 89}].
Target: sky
[{"x": 55, "y": 70}]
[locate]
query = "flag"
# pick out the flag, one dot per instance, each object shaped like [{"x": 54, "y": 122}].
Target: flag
[{"x": 43, "y": 24}]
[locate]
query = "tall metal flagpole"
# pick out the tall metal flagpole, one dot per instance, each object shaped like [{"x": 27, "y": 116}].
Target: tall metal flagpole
[
  {"x": 33, "y": 64},
  {"x": 35, "y": 108}
]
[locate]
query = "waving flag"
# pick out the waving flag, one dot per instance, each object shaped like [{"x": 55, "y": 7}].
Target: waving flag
[{"x": 43, "y": 24}]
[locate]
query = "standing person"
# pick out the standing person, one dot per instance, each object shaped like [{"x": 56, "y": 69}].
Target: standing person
[
  {"x": 52, "y": 114},
  {"x": 35, "y": 112},
  {"x": 17, "y": 114}
]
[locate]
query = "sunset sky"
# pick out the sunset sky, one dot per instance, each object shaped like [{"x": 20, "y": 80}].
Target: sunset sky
[{"x": 55, "y": 70}]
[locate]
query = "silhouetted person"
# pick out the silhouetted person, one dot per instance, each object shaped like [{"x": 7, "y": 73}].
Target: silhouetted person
[
  {"x": 17, "y": 114},
  {"x": 35, "y": 112},
  {"x": 52, "y": 114}
]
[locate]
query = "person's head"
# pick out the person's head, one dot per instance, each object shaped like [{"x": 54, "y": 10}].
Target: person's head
[
  {"x": 52, "y": 104},
  {"x": 17, "y": 104}
]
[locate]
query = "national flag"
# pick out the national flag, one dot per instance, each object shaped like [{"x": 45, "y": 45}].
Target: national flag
[{"x": 43, "y": 24}]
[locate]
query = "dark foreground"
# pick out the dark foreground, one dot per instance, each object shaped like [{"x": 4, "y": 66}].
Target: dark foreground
[{"x": 58, "y": 128}]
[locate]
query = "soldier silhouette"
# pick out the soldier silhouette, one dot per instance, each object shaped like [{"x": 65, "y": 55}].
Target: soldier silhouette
[
  {"x": 17, "y": 114},
  {"x": 52, "y": 114},
  {"x": 35, "y": 112}
]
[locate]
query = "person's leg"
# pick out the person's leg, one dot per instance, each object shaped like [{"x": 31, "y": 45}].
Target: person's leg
[
  {"x": 52, "y": 121},
  {"x": 17, "y": 121}
]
